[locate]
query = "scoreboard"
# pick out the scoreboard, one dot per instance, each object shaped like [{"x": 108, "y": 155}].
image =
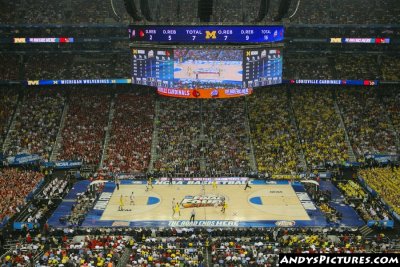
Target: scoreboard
[
  {"x": 154, "y": 67},
  {"x": 206, "y": 34},
  {"x": 194, "y": 72},
  {"x": 262, "y": 67}
]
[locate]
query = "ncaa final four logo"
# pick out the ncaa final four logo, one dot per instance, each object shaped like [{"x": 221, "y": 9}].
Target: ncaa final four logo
[{"x": 202, "y": 201}]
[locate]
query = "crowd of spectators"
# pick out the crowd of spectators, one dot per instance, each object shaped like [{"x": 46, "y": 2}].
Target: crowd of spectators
[
  {"x": 357, "y": 67},
  {"x": 344, "y": 12},
  {"x": 76, "y": 11},
  {"x": 170, "y": 251},
  {"x": 9, "y": 70},
  {"x": 366, "y": 123},
  {"x": 322, "y": 199},
  {"x": 54, "y": 190},
  {"x": 386, "y": 182},
  {"x": 45, "y": 201},
  {"x": 37, "y": 123},
  {"x": 63, "y": 67},
  {"x": 274, "y": 137},
  {"x": 43, "y": 250},
  {"x": 391, "y": 100},
  {"x": 8, "y": 101},
  {"x": 167, "y": 11},
  {"x": 227, "y": 144},
  {"x": 390, "y": 68},
  {"x": 371, "y": 210},
  {"x": 187, "y": 246},
  {"x": 212, "y": 132},
  {"x": 85, "y": 125},
  {"x": 15, "y": 185},
  {"x": 367, "y": 207},
  {"x": 105, "y": 66},
  {"x": 47, "y": 66},
  {"x": 225, "y": 11},
  {"x": 84, "y": 203},
  {"x": 306, "y": 66},
  {"x": 336, "y": 66},
  {"x": 85, "y": 251},
  {"x": 322, "y": 137},
  {"x": 179, "y": 144},
  {"x": 352, "y": 190},
  {"x": 376, "y": 12},
  {"x": 131, "y": 134}
]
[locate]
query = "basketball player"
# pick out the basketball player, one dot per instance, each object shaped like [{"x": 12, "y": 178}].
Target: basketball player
[
  {"x": 214, "y": 184},
  {"x": 121, "y": 203},
  {"x": 177, "y": 209},
  {"x": 224, "y": 206},
  {"x": 117, "y": 184},
  {"x": 150, "y": 182},
  {"x": 173, "y": 206},
  {"x": 247, "y": 184},
  {"x": 132, "y": 197}
]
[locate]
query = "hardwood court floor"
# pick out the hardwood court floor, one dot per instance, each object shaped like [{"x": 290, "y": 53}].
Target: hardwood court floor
[{"x": 276, "y": 202}]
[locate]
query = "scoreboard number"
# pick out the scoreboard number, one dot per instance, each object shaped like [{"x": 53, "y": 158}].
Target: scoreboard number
[
  {"x": 193, "y": 37},
  {"x": 151, "y": 37},
  {"x": 226, "y": 37}
]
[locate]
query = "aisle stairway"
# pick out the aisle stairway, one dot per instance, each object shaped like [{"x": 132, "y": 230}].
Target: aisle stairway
[
  {"x": 350, "y": 151},
  {"x": 293, "y": 121},
  {"x": 203, "y": 140},
  {"x": 111, "y": 112},
  {"x": 124, "y": 259},
  {"x": 154, "y": 140},
  {"x": 391, "y": 128},
  {"x": 11, "y": 129},
  {"x": 365, "y": 230},
  {"x": 57, "y": 144},
  {"x": 251, "y": 155}
]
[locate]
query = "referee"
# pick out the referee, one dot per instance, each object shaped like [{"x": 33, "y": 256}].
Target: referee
[{"x": 192, "y": 216}]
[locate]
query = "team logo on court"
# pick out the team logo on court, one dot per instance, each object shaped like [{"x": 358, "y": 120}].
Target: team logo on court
[{"x": 202, "y": 201}]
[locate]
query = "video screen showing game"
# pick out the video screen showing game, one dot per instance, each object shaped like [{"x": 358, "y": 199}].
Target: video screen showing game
[
  {"x": 206, "y": 73},
  {"x": 208, "y": 68}
]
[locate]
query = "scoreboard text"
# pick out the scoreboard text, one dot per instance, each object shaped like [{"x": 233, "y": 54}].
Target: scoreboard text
[{"x": 206, "y": 34}]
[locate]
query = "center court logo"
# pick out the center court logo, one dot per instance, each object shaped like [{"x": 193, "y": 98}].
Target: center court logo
[
  {"x": 202, "y": 201},
  {"x": 211, "y": 34}
]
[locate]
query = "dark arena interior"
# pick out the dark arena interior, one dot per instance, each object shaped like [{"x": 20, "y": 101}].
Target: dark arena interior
[{"x": 211, "y": 133}]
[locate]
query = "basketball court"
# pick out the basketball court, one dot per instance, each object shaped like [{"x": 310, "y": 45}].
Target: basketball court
[
  {"x": 261, "y": 202},
  {"x": 265, "y": 204},
  {"x": 208, "y": 71}
]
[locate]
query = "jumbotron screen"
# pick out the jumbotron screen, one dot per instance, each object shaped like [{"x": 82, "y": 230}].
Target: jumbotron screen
[{"x": 206, "y": 73}]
